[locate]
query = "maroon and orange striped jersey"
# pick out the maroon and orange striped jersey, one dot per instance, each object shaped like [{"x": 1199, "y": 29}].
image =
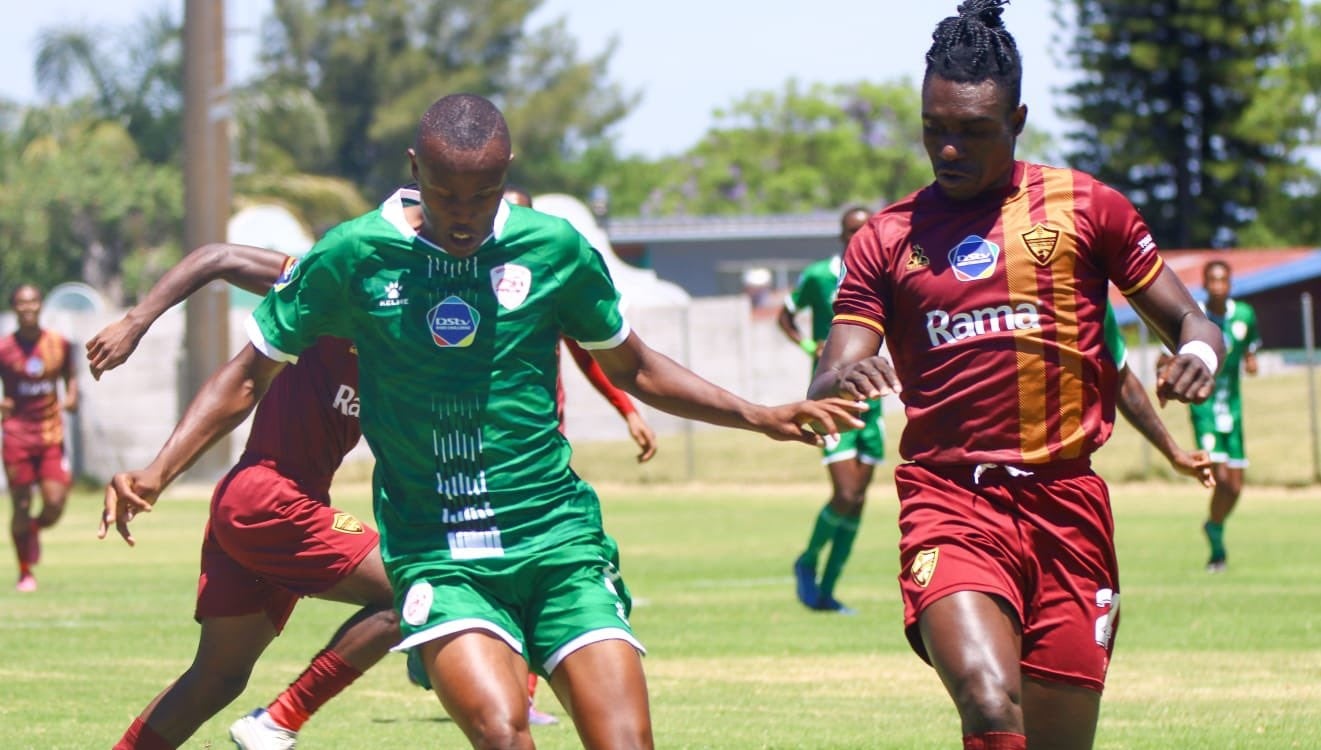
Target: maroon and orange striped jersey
[
  {"x": 29, "y": 371},
  {"x": 993, "y": 309}
]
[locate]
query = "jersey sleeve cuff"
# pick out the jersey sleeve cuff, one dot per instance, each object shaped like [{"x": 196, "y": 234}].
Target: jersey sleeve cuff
[
  {"x": 859, "y": 320},
  {"x": 610, "y": 343},
  {"x": 1146, "y": 280},
  {"x": 260, "y": 343}
]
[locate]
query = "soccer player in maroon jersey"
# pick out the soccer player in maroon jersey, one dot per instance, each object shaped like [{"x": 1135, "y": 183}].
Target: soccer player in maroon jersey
[
  {"x": 989, "y": 286},
  {"x": 33, "y": 361},
  {"x": 272, "y": 537}
]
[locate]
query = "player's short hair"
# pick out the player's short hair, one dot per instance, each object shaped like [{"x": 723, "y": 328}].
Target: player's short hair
[
  {"x": 13, "y": 293},
  {"x": 467, "y": 122},
  {"x": 855, "y": 208},
  {"x": 1217, "y": 263},
  {"x": 975, "y": 46}
]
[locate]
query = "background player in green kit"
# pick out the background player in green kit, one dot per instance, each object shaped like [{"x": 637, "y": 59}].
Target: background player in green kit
[
  {"x": 1218, "y": 422},
  {"x": 456, "y": 301},
  {"x": 851, "y": 460}
]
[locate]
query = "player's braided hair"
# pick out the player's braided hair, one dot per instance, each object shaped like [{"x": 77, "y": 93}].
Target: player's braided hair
[
  {"x": 975, "y": 46},
  {"x": 466, "y": 122}
]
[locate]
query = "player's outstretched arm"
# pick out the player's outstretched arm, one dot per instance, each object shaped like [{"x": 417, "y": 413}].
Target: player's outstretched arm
[
  {"x": 252, "y": 269},
  {"x": 220, "y": 406},
  {"x": 664, "y": 384},
  {"x": 850, "y": 366},
  {"x": 1131, "y": 398},
  {"x": 638, "y": 429},
  {"x": 1197, "y": 343}
]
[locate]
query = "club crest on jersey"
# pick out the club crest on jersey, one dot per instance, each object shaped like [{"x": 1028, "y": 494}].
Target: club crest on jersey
[
  {"x": 924, "y": 566},
  {"x": 453, "y": 323},
  {"x": 1041, "y": 243},
  {"x": 287, "y": 271},
  {"x": 346, "y": 524},
  {"x": 511, "y": 283},
  {"x": 974, "y": 258},
  {"x": 34, "y": 367}
]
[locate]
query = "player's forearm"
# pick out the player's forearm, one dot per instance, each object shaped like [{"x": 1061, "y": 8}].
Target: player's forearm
[
  {"x": 663, "y": 384},
  {"x": 1136, "y": 407},
  {"x": 222, "y": 404},
  {"x": 250, "y": 268}
]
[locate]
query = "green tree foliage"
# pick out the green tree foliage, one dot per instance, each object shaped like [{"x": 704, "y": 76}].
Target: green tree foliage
[
  {"x": 373, "y": 66},
  {"x": 78, "y": 202},
  {"x": 805, "y": 148},
  {"x": 1161, "y": 109}
]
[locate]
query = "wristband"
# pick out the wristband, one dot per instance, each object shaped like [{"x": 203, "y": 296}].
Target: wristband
[
  {"x": 1202, "y": 351},
  {"x": 808, "y": 346}
]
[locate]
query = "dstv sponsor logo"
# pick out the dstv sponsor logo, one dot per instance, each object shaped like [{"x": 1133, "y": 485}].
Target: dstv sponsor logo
[{"x": 946, "y": 328}]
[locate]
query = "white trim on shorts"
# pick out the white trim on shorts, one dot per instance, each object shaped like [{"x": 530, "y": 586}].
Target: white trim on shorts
[
  {"x": 1233, "y": 463},
  {"x": 863, "y": 458},
  {"x": 587, "y": 639},
  {"x": 458, "y": 626}
]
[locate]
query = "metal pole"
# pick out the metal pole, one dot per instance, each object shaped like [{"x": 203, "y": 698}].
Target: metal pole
[
  {"x": 1309, "y": 344},
  {"x": 1144, "y": 346},
  {"x": 206, "y": 179}
]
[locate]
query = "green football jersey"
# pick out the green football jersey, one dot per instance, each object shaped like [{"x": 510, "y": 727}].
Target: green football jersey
[
  {"x": 815, "y": 291},
  {"x": 1239, "y": 327},
  {"x": 458, "y": 360},
  {"x": 1114, "y": 338}
]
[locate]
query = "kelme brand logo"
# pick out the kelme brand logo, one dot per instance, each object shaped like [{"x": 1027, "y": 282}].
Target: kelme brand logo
[{"x": 453, "y": 323}]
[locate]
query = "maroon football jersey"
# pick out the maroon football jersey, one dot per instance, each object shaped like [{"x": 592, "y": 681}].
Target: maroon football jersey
[
  {"x": 308, "y": 419},
  {"x": 993, "y": 311},
  {"x": 30, "y": 372}
]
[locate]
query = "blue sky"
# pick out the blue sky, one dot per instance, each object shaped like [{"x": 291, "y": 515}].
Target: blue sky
[{"x": 686, "y": 57}]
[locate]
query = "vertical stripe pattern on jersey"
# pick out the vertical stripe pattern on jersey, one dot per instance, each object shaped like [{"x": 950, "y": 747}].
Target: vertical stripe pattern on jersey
[{"x": 1021, "y": 275}]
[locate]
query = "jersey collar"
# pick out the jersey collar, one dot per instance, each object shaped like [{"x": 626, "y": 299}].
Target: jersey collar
[{"x": 392, "y": 210}]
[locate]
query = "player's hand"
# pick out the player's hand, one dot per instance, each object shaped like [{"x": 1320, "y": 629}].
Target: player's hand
[
  {"x": 642, "y": 434},
  {"x": 1184, "y": 378},
  {"x": 128, "y": 494},
  {"x": 71, "y": 405},
  {"x": 810, "y": 421},
  {"x": 112, "y": 345},
  {"x": 1196, "y": 464},
  {"x": 6, "y": 407},
  {"x": 868, "y": 379}
]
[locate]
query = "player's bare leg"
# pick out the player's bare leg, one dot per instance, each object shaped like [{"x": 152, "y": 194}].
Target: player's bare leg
[
  {"x": 226, "y": 652},
  {"x": 605, "y": 691},
  {"x": 1059, "y": 716},
  {"x": 23, "y": 532},
  {"x": 974, "y": 641},
  {"x": 54, "y": 495},
  {"x": 482, "y": 683}
]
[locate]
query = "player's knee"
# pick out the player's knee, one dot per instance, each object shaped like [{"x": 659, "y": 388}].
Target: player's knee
[
  {"x": 848, "y": 502},
  {"x": 492, "y": 733},
  {"x": 987, "y": 703},
  {"x": 222, "y": 685}
]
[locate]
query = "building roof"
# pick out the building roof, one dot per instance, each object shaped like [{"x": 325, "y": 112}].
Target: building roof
[
  {"x": 663, "y": 229},
  {"x": 1254, "y": 271}
]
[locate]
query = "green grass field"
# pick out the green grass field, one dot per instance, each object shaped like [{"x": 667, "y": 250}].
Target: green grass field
[{"x": 1229, "y": 661}]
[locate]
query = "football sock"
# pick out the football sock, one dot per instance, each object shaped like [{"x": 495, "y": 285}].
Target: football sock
[
  {"x": 531, "y": 685},
  {"x": 840, "y": 548},
  {"x": 21, "y": 549},
  {"x": 995, "y": 741},
  {"x": 34, "y": 542},
  {"x": 1215, "y": 534},
  {"x": 822, "y": 532},
  {"x": 140, "y": 736},
  {"x": 323, "y": 679}
]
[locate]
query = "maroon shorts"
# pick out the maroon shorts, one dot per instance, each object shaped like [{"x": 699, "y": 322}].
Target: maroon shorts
[
  {"x": 268, "y": 544},
  {"x": 1043, "y": 543},
  {"x": 28, "y": 464}
]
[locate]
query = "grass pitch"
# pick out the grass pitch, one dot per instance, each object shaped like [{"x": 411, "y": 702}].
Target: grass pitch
[{"x": 1227, "y": 661}]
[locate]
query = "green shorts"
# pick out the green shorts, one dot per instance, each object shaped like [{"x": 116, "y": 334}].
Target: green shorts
[
  {"x": 545, "y": 606},
  {"x": 1225, "y": 447},
  {"x": 866, "y": 444}
]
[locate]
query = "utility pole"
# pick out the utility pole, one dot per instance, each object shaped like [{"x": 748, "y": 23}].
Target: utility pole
[{"x": 206, "y": 205}]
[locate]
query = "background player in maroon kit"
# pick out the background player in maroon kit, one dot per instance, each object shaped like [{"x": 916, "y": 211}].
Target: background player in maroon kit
[
  {"x": 272, "y": 536},
  {"x": 33, "y": 361},
  {"x": 990, "y": 285}
]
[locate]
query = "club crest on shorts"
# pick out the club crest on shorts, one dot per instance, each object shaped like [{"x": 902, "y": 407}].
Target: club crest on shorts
[
  {"x": 924, "y": 566},
  {"x": 1041, "y": 243},
  {"x": 511, "y": 283},
  {"x": 417, "y": 603},
  {"x": 347, "y": 524}
]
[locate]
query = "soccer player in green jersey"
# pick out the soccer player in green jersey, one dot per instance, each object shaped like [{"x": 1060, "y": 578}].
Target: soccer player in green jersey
[
  {"x": 851, "y": 460},
  {"x": 1218, "y": 422},
  {"x": 456, "y": 301}
]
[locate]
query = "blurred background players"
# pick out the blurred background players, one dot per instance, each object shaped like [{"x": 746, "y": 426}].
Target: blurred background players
[
  {"x": 850, "y": 461},
  {"x": 1218, "y": 422},
  {"x": 33, "y": 361},
  {"x": 272, "y": 536}
]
